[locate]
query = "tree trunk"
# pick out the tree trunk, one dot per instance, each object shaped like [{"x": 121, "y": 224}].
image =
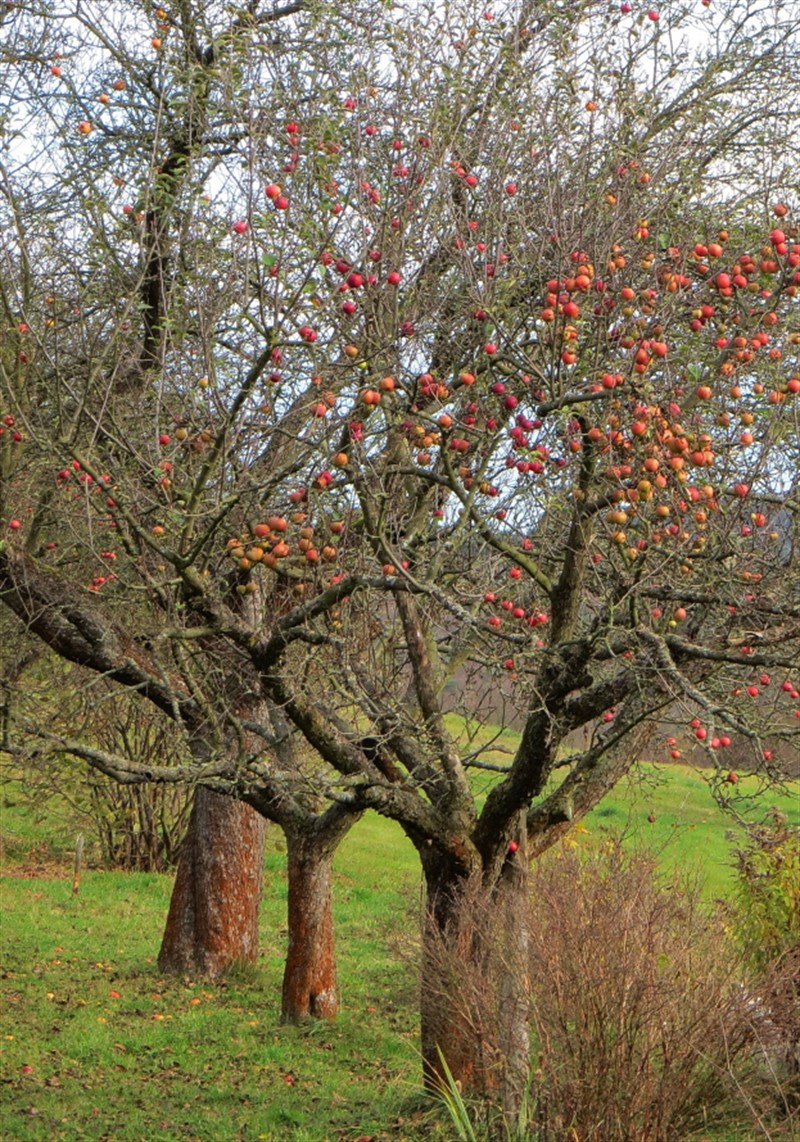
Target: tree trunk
[
  {"x": 214, "y": 910},
  {"x": 474, "y": 1001},
  {"x": 512, "y": 911},
  {"x": 309, "y": 978}
]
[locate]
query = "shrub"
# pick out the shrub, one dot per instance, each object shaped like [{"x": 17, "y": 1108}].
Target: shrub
[
  {"x": 135, "y": 828},
  {"x": 640, "y": 1023},
  {"x": 766, "y": 923},
  {"x": 767, "y": 920},
  {"x": 636, "y": 1004}
]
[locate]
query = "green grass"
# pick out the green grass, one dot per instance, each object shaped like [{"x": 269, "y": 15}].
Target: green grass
[
  {"x": 690, "y": 833},
  {"x": 179, "y": 1060}
]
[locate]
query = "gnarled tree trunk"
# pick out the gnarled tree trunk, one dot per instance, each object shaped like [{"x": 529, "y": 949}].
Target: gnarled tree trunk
[
  {"x": 474, "y": 996},
  {"x": 214, "y": 910},
  {"x": 309, "y": 978}
]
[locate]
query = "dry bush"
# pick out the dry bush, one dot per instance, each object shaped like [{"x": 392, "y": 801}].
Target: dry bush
[
  {"x": 644, "y": 1023},
  {"x": 636, "y": 1003},
  {"x": 131, "y": 828},
  {"x": 139, "y": 828},
  {"x": 134, "y": 828},
  {"x": 774, "y": 1013}
]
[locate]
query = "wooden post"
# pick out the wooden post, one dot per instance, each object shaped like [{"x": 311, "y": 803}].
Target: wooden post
[{"x": 76, "y": 868}]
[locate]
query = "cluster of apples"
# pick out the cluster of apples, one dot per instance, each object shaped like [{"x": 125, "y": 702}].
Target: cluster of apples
[{"x": 291, "y": 544}]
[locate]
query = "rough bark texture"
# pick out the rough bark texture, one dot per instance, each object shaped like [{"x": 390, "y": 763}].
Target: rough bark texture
[
  {"x": 214, "y": 910},
  {"x": 474, "y": 1003},
  {"x": 309, "y": 979},
  {"x": 510, "y": 930}
]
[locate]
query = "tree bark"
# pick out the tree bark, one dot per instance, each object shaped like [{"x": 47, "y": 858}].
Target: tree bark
[
  {"x": 214, "y": 911},
  {"x": 474, "y": 993},
  {"x": 309, "y": 978}
]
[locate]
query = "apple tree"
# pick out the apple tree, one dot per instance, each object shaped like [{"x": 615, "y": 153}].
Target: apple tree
[
  {"x": 419, "y": 369},
  {"x": 118, "y": 314}
]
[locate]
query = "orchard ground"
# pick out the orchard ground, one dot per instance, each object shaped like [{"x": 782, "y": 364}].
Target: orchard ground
[{"x": 96, "y": 1044}]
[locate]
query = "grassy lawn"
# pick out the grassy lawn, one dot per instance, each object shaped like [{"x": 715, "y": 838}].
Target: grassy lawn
[
  {"x": 94, "y": 1044},
  {"x": 690, "y": 831},
  {"x": 117, "y": 1052}
]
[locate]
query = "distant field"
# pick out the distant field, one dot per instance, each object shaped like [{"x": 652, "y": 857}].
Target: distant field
[
  {"x": 116, "y": 1052},
  {"x": 690, "y": 831}
]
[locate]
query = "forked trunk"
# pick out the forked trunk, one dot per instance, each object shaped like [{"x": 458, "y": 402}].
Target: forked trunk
[
  {"x": 309, "y": 979},
  {"x": 474, "y": 1001},
  {"x": 214, "y": 910}
]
